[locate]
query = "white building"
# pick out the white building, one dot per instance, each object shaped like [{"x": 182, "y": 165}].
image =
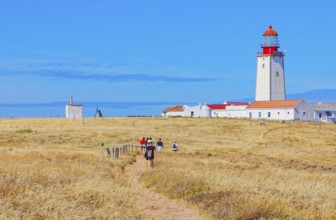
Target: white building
[
  {"x": 73, "y": 110},
  {"x": 198, "y": 111},
  {"x": 229, "y": 110},
  {"x": 174, "y": 111},
  {"x": 325, "y": 112},
  {"x": 280, "y": 110}
]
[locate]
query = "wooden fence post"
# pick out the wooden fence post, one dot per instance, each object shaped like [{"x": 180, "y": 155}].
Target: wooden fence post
[
  {"x": 108, "y": 153},
  {"x": 117, "y": 152}
]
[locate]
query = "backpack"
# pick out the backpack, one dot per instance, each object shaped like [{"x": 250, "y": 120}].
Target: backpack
[
  {"x": 174, "y": 147},
  {"x": 150, "y": 154}
]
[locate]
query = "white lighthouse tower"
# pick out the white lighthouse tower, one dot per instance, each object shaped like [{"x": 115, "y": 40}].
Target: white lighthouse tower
[{"x": 270, "y": 83}]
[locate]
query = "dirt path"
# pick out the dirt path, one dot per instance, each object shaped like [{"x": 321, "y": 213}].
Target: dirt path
[{"x": 162, "y": 207}]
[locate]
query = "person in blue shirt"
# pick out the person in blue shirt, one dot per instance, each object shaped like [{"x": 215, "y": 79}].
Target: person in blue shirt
[{"x": 159, "y": 145}]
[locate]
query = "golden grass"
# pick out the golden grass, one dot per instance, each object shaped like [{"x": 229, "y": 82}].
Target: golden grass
[
  {"x": 237, "y": 169},
  {"x": 55, "y": 172},
  {"x": 229, "y": 168}
]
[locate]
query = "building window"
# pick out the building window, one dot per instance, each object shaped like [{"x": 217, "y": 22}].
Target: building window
[
  {"x": 192, "y": 114},
  {"x": 259, "y": 114},
  {"x": 328, "y": 113},
  {"x": 250, "y": 114},
  {"x": 269, "y": 114},
  {"x": 320, "y": 115},
  {"x": 277, "y": 73},
  {"x": 288, "y": 113},
  {"x": 278, "y": 113},
  {"x": 263, "y": 65}
]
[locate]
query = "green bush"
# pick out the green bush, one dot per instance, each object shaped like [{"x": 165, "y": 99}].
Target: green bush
[{"x": 22, "y": 131}]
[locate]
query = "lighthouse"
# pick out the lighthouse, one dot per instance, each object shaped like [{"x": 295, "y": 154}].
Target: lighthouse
[{"x": 270, "y": 80}]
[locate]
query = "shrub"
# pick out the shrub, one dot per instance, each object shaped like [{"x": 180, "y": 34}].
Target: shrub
[{"x": 22, "y": 131}]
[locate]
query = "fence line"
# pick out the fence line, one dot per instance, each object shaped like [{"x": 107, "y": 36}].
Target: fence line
[{"x": 117, "y": 152}]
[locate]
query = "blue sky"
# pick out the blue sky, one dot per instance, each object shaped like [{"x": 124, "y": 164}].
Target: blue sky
[{"x": 158, "y": 51}]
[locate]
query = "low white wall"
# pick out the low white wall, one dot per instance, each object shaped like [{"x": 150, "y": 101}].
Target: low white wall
[
  {"x": 275, "y": 114},
  {"x": 230, "y": 112},
  {"x": 174, "y": 114}
]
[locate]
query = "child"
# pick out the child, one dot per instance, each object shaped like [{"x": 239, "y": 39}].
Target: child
[{"x": 175, "y": 146}]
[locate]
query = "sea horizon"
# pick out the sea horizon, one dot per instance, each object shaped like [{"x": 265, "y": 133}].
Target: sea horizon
[
  {"x": 108, "y": 109},
  {"x": 132, "y": 108}
]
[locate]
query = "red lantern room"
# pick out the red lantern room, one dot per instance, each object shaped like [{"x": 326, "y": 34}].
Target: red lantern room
[{"x": 270, "y": 41}]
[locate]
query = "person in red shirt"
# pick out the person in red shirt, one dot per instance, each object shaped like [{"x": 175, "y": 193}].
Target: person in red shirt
[{"x": 143, "y": 144}]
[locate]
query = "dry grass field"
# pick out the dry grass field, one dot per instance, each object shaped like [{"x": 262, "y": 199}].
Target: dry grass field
[{"x": 228, "y": 168}]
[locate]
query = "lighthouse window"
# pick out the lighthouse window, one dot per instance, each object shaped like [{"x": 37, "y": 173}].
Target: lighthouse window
[
  {"x": 277, "y": 73},
  {"x": 263, "y": 65}
]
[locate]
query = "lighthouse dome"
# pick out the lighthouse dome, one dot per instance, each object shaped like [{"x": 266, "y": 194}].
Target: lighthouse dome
[{"x": 270, "y": 32}]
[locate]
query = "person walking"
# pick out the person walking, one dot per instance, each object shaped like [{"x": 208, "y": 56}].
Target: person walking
[
  {"x": 150, "y": 154},
  {"x": 143, "y": 144},
  {"x": 159, "y": 145},
  {"x": 175, "y": 146}
]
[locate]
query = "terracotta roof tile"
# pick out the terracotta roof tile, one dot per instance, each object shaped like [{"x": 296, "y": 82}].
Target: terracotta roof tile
[
  {"x": 274, "y": 104},
  {"x": 176, "y": 108}
]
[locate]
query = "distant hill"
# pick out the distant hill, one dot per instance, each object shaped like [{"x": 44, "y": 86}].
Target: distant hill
[
  {"x": 312, "y": 96},
  {"x": 316, "y": 95}
]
